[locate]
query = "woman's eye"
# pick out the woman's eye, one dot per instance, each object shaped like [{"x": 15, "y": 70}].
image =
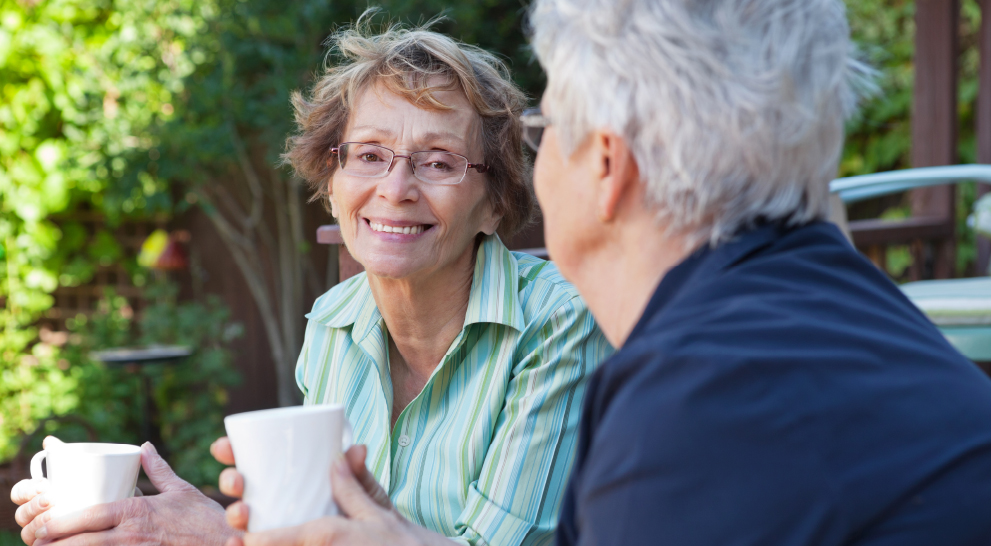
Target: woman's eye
[
  {"x": 369, "y": 157},
  {"x": 438, "y": 166}
]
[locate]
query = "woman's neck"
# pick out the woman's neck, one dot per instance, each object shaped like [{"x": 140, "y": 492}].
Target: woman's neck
[{"x": 425, "y": 313}]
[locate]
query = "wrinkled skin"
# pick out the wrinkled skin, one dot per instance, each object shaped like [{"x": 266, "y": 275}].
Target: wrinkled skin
[{"x": 179, "y": 515}]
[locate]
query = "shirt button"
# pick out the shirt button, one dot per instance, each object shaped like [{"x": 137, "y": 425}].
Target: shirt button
[{"x": 404, "y": 440}]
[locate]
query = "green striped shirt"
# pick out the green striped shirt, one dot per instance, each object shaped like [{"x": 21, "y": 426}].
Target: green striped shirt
[{"x": 483, "y": 453}]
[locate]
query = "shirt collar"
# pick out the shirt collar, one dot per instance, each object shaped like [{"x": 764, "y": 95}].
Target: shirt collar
[
  {"x": 705, "y": 262},
  {"x": 495, "y": 285},
  {"x": 493, "y": 297},
  {"x": 351, "y": 304}
]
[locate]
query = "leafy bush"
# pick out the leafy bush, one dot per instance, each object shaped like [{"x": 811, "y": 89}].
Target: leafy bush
[{"x": 76, "y": 93}]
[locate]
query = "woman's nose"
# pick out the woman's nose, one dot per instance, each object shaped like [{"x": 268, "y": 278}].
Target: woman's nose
[{"x": 399, "y": 184}]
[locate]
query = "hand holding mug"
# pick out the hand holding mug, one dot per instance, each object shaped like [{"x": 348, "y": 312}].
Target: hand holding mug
[
  {"x": 283, "y": 455},
  {"x": 32, "y": 497},
  {"x": 86, "y": 474},
  {"x": 179, "y": 515},
  {"x": 232, "y": 483},
  {"x": 367, "y": 517}
]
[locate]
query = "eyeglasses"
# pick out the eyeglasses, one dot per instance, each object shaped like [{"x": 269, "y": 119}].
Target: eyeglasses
[
  {"x": 534, "y": 124},
  {"x": 433, "y": 167}
]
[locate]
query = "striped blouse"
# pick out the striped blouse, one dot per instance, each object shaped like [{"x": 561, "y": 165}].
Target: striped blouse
[{"x": 483, "y": 453}]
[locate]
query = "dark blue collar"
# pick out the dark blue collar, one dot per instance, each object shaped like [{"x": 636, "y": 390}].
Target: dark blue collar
[{"x": 706, "y": 262}]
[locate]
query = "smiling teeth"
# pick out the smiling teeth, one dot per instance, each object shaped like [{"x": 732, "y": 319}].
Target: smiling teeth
[{"x": 407, "y": 230}]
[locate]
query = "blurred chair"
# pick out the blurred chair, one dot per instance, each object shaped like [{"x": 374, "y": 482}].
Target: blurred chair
[{"x": 960, "y": 308}]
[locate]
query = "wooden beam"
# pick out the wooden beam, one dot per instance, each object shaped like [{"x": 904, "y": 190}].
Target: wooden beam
[
  {"x": 983, "y": 265},
  {"x": 984, "y": 124},
  {"x": 329, "y": 235},
  {"x": 934, "y": 117},
  {"x": 879, "y": 232}
]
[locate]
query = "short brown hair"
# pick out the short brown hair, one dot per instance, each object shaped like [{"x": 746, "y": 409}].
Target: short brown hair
[{"x": 404, "y": 60}]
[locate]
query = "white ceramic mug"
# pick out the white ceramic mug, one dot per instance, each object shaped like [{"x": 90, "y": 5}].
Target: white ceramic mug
[
  {"x": 284, "y": 456},
  {"x": 84, "y": 475}
]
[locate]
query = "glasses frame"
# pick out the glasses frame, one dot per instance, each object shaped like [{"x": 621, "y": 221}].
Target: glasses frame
[
  {"x": 479, "y": 167},
  {"x": 534, "y": 123}
]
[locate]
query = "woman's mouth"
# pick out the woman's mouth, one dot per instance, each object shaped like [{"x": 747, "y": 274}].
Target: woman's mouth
[{"x": 402, "y": 230}]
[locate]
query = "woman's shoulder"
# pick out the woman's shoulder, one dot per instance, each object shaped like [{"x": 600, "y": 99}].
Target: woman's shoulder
[
  {"x": 542, "y": 287},
  {"x": 554, "y": 312},
  {"x": 543, "y": 273}
]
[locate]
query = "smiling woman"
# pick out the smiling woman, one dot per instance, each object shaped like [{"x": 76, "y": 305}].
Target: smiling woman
[
  {"x": 380, "y": 202},
  {"x": 462, "y": 365}
]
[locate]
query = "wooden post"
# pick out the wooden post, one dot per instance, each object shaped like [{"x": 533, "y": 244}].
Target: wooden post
[
  {"x": 934, "y": 119},
  {"x": 984, "y": 125}
]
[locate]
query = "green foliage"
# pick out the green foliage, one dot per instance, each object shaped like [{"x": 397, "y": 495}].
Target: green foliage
[
  {"x": 75, "y": 94},
  {"x": 880, "y": 137}
]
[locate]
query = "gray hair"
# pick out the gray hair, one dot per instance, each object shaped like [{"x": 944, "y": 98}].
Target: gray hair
[{"x": 734, "y": 109}]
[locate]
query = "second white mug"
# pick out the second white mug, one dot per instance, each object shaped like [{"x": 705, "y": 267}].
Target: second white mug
[
  {"x": 284, "y": 455},
  {"x": 86, "y": 474}
]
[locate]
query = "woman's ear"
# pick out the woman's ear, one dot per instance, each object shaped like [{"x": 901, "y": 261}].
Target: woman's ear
[
  {"x": 491, "y": 224},
  {"x": 330, "y": 198},
  {"x": 619, "y": 175},
  {"x": 489, "y": 230}
]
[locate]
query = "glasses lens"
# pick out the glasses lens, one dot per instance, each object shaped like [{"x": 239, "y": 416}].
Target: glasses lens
[
  {"x": 532, "y": 136},
  {"x": 365, "y": 160},
  {"x": 439, "y": 167},
  {"x": 533, "y": 127}
]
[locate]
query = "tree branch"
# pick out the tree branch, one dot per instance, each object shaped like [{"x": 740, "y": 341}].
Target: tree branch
[
  {"x": 254, "y": 182},
  {"x": 291, "y": 297},
  {"x": 254, "y": 277},
  {"x": 235, "y": 237}
]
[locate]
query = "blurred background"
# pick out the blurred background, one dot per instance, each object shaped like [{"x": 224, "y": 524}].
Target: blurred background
[{"x": 142, "y": 205}]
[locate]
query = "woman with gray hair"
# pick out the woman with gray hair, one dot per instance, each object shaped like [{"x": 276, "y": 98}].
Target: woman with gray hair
[
  {"x": 771, "y": 386},
  {"x": 461, "y": 365}
]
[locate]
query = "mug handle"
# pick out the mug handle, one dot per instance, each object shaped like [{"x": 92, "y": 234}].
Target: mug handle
[{"x": 36, "y": 473}]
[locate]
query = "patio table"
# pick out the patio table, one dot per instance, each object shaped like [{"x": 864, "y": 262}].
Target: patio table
[
  {"x": 961, "y": 309},
  {"x": 133, "y": 359}
]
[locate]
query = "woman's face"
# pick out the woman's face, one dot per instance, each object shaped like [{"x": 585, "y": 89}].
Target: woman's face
[{"x": 444, "y": 219}]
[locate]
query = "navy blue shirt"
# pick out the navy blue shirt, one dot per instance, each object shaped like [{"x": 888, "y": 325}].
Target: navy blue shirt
[{"x": 779, "y": 390}]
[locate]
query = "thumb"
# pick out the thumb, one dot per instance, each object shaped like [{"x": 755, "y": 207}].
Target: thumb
[
  {"x": 355, "y": 457},
  {"x": 350, "y": 496},
  {"x": 50, "y": 442},
  {"x": 159, "y": 471}
]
